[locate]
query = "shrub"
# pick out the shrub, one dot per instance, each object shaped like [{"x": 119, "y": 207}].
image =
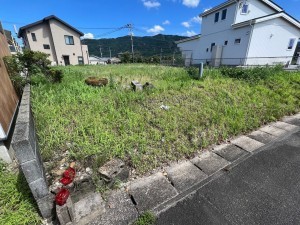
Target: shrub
[
  {"x": 55, "y": 75},
  {"x": 250, "y": 74}
]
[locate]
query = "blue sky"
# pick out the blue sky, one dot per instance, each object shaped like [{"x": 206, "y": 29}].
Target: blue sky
[{"x": 149, "y": 17}]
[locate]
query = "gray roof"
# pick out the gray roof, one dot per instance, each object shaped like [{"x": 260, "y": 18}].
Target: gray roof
[{"x": 46, "y": 19}]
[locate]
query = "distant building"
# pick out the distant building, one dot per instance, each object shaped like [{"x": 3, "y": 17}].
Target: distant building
[
  {"x": 13, "y": 45},
  {"x": 244, "y": 32},
  {"x": 95, "y": 60},
  {"x": 55, "y": 37}
]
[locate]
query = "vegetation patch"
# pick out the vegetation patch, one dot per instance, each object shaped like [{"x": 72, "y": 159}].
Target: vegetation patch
[
  {"x": 176, "y": 119},
  {"x": 146, "y": 218},
  {"x": 17, "y": 204}
]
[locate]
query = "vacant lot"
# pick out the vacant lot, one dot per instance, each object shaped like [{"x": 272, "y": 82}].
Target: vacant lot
[{"x": 96, "y": 124}]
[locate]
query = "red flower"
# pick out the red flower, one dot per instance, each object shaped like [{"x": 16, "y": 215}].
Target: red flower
[{"x": 62, "y": 196}]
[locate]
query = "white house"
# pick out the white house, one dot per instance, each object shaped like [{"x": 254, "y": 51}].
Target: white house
[{"x": 244, "y": 32}]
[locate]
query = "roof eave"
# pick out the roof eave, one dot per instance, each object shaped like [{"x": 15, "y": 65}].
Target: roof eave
[
  {"x": 218, "y": 7},
  {"x": 188, "y": 39}
]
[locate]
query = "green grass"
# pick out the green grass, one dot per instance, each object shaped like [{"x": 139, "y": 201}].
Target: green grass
[
  {"x": 17, "y": 206},
  {"x": 96, "y": 124},
  {"x": 146, "y": 218}
]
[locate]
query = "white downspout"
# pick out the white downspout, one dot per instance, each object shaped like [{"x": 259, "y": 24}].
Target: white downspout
[{"x": 249, "y": 42}]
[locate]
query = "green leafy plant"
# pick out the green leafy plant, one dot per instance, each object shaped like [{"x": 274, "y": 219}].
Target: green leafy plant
[
  {"x": 146, "y": 218},
  {"x": 17, "y": 204}
]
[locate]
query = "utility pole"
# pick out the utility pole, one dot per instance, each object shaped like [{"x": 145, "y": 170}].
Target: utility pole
[
  {"x": 109, "y": 53},
  {"x": 174, "y": 57},
  {"x": 100, "y": 50},
  {"x": 160, "y": 55},
  {"x": 130, "y": 27}
]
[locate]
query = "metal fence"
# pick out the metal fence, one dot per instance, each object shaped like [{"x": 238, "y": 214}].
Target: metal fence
[{"x": 285, "y": 61}]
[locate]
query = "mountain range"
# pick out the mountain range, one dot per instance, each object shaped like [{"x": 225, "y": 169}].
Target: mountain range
[{"x": 145, "y": 46}]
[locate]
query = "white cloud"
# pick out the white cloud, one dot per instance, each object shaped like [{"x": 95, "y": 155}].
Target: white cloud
[
  {"x": 196, "y": 19},
  {"x": 206, "y": 9},
  {"x": 88, "y": 36},
  {"x": 191, "y": 3},
  {"x": 156, "y": 29},
  {"x": 166, "y": 22},
  {"x": 151, "y": 4},
  {"x": 189, "y": 33},
  {"x": 191, "y": 21},
  {"x": 186, "y": 24}
]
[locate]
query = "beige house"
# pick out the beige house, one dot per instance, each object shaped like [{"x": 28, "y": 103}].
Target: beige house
[{"x": 55, "y": 37}]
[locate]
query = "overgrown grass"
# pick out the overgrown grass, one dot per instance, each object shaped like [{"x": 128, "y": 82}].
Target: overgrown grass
[
  {"x": 17, "y": 204},
  {"x": 96, "y": 124}
]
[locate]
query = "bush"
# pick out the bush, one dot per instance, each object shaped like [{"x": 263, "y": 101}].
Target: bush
[
  {"x": 14, "y": 70},
  {"x": 250, "y": 74},
  {"x": 55, "y": 75},
  {"x": 23, "y": 66},
  {"x": 193, "y": 72}
]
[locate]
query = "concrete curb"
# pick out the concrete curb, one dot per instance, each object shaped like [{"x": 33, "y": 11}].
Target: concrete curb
[{"x": 165, "y": 189}]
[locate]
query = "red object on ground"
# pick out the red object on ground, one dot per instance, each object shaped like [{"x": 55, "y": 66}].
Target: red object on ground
[
  {"x": 62, "y": 196},
  {"x": 68, "y": 176}
]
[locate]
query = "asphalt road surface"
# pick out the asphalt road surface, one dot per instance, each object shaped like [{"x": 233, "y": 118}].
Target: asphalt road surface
[{"x": 264, "y": 189}]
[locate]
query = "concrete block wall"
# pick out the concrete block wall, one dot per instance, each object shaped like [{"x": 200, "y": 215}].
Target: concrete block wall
[{"x": 25, "y": 146}]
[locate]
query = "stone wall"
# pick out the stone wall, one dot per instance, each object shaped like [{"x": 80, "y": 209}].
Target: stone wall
[{"x": 25, "y": 146}]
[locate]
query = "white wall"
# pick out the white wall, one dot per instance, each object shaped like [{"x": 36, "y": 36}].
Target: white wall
[
  {"x": 208, "y": 22},
  {"x": 256, "y": 9},
  {"x": 270, "y": 39},
  {"x": 189, "y": 49},
  {"x": 233, "y": 54}
]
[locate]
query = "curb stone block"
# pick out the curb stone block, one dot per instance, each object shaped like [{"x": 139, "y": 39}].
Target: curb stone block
[
  {"x": 284, "y": 126},
  {"x": 209, "y": 162},
  {"x": 119, "y": 210},
  {"x": 262, "y": 137},
  {"x": 247, "y": 143},
  {"x": 291, "y": 120},
  {"x": 87, "y": 206},
  {"x": 185, "y": 175},
  {"x": 65, "y": 213},
  {"x": 149, "y": 192},
  {"x": 46, "y": 206},
  {"x": 39, "y": 188},
  {"x": 229, "y": 152},
  {"x": 273, "y": 130}
]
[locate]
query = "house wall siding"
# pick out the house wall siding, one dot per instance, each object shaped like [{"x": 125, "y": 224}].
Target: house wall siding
[
  {"x": 59, "y": 30},
  {"x": 270, "y": 39},
  {"x": 232, "y": 54},
  {"x": 43, "y": 36},
  {"x": 256, "y": 9},
  {"x": 210, "y": 27},
  {"x": 190, "y": 50}
]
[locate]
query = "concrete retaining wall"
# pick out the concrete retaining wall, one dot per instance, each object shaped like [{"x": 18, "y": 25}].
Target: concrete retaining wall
[{"x": 25, "y": 146}]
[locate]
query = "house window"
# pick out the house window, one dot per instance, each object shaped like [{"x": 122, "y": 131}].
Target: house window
[
  {"x": 224, "y": 14},
  {"x": 80, "y": 60},
  {"x": 217, "y": 17},
  {"x": 33, "y": 36},
  {"x": 225, "y": 42},
  {"x": 211, "y": 46},
  {"x": 245, "y": 9},
  {"x": 69, "y": 40},
  {"x": 237, "y": 41},
  {"x": 291, "y": 43},
  {"x": 46, "y": 46}
]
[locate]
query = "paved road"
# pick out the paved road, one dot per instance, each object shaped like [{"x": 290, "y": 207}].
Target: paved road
[{"x": 264, "y": 189}]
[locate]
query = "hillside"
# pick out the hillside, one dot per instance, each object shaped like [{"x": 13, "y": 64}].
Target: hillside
[{"x": 146, "y": 46}]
